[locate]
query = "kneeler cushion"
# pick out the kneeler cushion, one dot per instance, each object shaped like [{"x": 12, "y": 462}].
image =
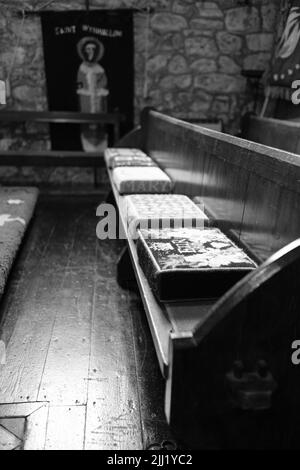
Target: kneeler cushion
[
  {"x": 130, "y": 154},
  {"x": 16, "y": 209},
  {"x": 191, "y": 263},
  {"x": 162, "y": 211},
  {"x": 132, "y": 161},
  {"x": 132, "y": 180}
]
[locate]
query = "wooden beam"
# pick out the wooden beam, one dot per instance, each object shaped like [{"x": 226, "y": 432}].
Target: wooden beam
[
  {"x": 51, "y": 158},
  {"x": 61, "y": 117}
]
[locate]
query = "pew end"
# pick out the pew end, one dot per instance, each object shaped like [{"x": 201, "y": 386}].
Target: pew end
[{"x": 235, "y": 369}]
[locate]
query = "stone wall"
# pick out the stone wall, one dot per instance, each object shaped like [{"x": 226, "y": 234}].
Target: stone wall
[{"x": 196, "y": 51}]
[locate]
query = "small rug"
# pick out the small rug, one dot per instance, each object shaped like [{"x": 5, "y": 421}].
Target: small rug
[{"x": 16, "y": 209}]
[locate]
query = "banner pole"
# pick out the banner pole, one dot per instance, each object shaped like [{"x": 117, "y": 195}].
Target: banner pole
[{"x": 266, "y": 102}]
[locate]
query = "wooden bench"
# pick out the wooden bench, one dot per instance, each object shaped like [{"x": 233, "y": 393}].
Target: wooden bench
[
  {"x": 284, "y": 135},
  {"x": 211, "y": 351},
  {"x": 57, "y": 157}
]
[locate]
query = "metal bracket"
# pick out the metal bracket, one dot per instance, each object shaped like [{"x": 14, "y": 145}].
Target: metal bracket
[{"x": 251, "y": 390}]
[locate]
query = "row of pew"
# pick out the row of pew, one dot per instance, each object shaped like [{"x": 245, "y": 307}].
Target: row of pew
[
  {"x": 182, "y": 253},
  {"x": 225, "y": 356}
]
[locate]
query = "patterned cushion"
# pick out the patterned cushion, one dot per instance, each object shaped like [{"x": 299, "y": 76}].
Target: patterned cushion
[
  {"x": 191, "y": 263},
  {"x": 16, "y": 209},
  {"x": 162, "y": 211},
  {"x": 132, "y": 161},
  {"x": 111, "y": 153},
  {"x": 131, "y": 180}
]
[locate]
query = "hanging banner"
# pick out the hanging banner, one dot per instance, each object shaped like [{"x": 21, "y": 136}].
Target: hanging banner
[
  {"x": 89, "y": 68},
  {"x": 286, "y": 66}
]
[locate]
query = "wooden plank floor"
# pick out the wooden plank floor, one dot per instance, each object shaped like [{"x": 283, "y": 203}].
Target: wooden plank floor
[{"x": 76, "y": 340}]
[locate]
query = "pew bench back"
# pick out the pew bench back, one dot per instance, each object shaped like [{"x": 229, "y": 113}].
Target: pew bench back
[
  {"x": 252, "y": 191},
  {"x": 284, "y": 135}
]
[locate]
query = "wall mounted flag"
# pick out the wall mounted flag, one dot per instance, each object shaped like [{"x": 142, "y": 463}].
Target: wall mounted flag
[
  {"x": 89, "y": 68},
  {"x": 286, "y": 65}
]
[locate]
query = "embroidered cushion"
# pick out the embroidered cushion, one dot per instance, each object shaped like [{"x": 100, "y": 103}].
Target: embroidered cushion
[
  {"x": 111, "y": 153},
  {"x": 162, "y": 211},
  {"x": 191, "y": 263},
  {"x": 132, "y": 161},
  {"x": 131, "y": 180}
]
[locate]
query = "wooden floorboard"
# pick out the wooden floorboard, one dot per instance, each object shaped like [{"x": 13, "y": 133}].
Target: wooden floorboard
[
  {"x": 149, "y": 379},
  {"x": 76, "y": 340},
  {"x": 69, "y": 346},
  {"x": 69, "y": 435},
  {"x": 113, "y": 414}
]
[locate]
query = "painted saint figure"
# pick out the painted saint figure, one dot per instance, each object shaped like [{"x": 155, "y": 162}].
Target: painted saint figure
[{"x": 92, "y": 91}]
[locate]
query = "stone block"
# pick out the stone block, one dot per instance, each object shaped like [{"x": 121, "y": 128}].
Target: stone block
[
  {"x": 169, "y": 42},
  {"x": 168, "y": 22},
  {"x": 220, "y": 83},
  {"x": 243, "y": 20},
  {"x": 176, "y": 81},
  {"x": 258, "y": 61},
  {"x": 178, "y": 65},
  {"x": 209, "y": 10},
  {"x": 260, "y": 42},
  {"x": 221, "y": 104},
  {"x": 228, "y": 65},
  {"x": 184, "y": 7},
  {"x": 204, "y": 65},
  {"x": 201, "y": 46},
  {"x": 201, "y": 102},
  {"x": 203, "y": 24},
  {"x": 157, "y": 63},
  {"x": 229, "y": 43},
  {"x": 269, "y": 13},
  {"x": 26, "y": 93}
]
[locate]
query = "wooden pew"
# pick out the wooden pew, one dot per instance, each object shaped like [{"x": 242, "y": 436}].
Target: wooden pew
[
  {"x": 57, "y": 157},
  {"x": 284, "y": 135},
  {"x": 227, "y": 363}
]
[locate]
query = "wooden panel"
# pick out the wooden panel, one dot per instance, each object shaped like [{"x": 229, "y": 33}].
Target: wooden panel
[
  {"x": 275, "y": 133},
  {"x": 260, "y": 216},
  {"x": 59, "y": 117},
  {"x": 50, "y": 158},
  {"x": 176, "y": 149},
  {"x": 287, "y": 221},
  {"x": 257, "y": 320},
  {"x": 223, "y": 191},
  {"x": 240, "y": 182}
]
